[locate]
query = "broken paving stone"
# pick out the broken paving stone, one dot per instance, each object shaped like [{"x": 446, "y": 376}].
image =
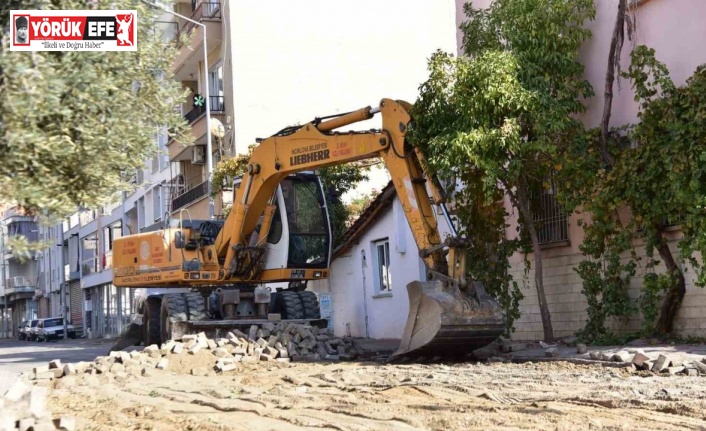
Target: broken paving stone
[
  {"x": 121, "y": 376},
  {"x": 700, "y": 366},
  {"x": 40, "y": 369},
  {"x": 622, "y": 356},
  {"x": 640, "y": 358},
  {"x": 595, "y": 355},
  {"x": 253, "y": 332},
  {"x": 163, "y": 364},
  {"x": 692, "y": 372},
  {"x": 37, "y": 402},
  {"x": 507, "y": 348},
  {"x": 606, "y": 356},
  {"x": 187, "y": 338},
  {"x": 18, "y": 390},
  {"x": 196, "y": 348},
  {"x": 661, "y": 364},
  {"x": 67, "y": 423},
  {"x": 223, "y": 368},
  {"x": 551, "y": 352},
  {"x": 221, "y": 352},
  {"x": 178, "y": 348},
  {"x": 581, "y": 348},
  {"x": 56, "y": 363},
  {"x": 675, "y": 370},
  {"x": 211, "y": 344}
]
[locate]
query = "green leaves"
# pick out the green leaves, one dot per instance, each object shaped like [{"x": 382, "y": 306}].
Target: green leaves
[
  {"x": 74, "y": 124},
  {"x": 494, "y": 119}
]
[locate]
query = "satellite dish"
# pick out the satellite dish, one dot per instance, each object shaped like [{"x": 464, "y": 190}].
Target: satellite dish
[{"x": 217, "y": 128}]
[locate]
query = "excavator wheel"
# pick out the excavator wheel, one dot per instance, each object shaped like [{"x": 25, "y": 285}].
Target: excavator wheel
[
  {"x": 179, "y": 307},
  {"x": 151, "y": 321},
  {"x": 447, "y": 321},
  {"x": 290, "y": 305},
  {"x": 311, "y": 305}
]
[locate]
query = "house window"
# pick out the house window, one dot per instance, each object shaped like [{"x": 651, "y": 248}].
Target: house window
[
  {"x": 549, "y": 217},
  {"x": 157, "y": 208},
  {"x": 381, "y": 266}
]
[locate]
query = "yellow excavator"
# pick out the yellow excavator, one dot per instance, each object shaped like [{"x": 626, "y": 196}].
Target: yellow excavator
[{"x": 213, "y": 275}]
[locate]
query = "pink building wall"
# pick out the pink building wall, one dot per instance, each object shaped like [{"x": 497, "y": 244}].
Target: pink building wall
[{"x": 676, "y": 30}]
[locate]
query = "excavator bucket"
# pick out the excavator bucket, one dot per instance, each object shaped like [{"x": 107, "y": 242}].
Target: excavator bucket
[{"x": 447, "y": 321}]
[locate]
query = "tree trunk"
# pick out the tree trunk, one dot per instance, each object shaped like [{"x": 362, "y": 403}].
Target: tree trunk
[
  {"x": 522, "y": 201},
  {"x": 675, "y": 294},
  {"x": 616, "y": 45}
]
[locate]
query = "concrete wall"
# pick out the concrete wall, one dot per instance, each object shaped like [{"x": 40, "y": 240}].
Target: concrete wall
[{"x": 676, "y": 33}]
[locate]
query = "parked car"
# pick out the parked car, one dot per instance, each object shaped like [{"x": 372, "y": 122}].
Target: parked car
[
  {"x": 27, "y": 330},
  {"x": 21, "y": 330},
  {"x": 53, "y": 328}
]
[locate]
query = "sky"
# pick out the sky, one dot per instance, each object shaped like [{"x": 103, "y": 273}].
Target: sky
[{"x": 294, "y": 61}]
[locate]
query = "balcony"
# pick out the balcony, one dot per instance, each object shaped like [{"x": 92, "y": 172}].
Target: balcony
[
  {"x": 217, "y": 104},
  {"x": 191, "y": 52},
  {"x": 190, "y": 196},
  {"x": 20, "y": 285},
  {"x": 197, "y": 118}
]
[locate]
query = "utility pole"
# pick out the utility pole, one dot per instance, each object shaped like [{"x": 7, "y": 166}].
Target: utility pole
[
  {"x": 62, "y": 279},
  {"x": 4, "y": 282}
]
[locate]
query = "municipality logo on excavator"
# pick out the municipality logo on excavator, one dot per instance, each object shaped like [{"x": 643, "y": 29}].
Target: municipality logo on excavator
[{"x": 309, "y": 153}]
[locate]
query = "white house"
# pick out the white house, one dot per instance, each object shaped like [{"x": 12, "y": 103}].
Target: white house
[{"x": 370, "y": 271}]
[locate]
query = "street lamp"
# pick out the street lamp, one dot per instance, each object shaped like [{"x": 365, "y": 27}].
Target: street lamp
[{"x": 209, "y": 149}]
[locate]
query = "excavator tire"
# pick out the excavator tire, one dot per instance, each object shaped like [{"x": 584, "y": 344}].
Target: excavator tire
[
  {"x": 179, "y": 307},
  {"x": 151, "y": 321},
  {"x": 291, "y": 306},
  {"x": 311, "y": 305}
]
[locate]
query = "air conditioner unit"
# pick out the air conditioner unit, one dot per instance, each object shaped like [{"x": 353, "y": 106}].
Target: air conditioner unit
[{"x": 198, "y": 157}]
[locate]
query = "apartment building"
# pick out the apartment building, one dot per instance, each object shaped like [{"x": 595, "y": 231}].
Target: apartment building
[
  {"x": 189, "y": 182},
  {"x": 19, "y": 273}
]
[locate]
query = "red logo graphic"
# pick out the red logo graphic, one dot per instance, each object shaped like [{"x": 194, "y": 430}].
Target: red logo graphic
[{"x": 126, "y": 34}]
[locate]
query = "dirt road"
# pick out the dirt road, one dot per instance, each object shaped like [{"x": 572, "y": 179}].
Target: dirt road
[{"x": 370, "y": 396}]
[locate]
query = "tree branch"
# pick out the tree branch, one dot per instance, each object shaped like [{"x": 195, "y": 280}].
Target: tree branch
[{"x": 616, "y": 46}]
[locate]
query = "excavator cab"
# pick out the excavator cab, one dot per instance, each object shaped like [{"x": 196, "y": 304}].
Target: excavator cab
[{"x": 300, "y": 233}]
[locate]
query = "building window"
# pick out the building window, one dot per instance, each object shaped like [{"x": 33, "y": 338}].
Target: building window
[
  {"x": 549, "y": 217},
  {"x": 381, "y": 267},
  {"x": 157, "y": 207}
]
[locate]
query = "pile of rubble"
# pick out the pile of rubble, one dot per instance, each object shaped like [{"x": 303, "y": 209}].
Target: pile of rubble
[
  {"x": 23, "y": 408},
  {"x": 637, "y": 359},
  {"x": 281, "y": 342},
  {"x": 661, "y": 364}
]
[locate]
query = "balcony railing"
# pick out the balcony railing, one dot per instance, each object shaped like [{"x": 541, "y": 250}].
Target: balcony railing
[
  {"x": 20, "y": 284},
  {"x": 205, "y": 10},
  {"x": 190, "y": 196},
  {"x": 217, "y": 103}
]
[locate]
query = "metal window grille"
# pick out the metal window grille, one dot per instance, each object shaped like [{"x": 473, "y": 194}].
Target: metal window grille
[{"x": 549, "y": 217}]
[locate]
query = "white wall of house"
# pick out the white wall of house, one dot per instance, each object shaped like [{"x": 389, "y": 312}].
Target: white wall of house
[{"x": 355, "y": 287}]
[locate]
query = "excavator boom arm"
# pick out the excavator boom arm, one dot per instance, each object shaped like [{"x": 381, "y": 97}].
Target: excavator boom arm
[{"x": 315, "y": 146}]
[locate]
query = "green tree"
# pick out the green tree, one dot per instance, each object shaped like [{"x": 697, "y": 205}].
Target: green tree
[
  {"x": 656, "y": 170},
  {"x": 73, "y": 124},
  {"x": 494, "y": 118}
]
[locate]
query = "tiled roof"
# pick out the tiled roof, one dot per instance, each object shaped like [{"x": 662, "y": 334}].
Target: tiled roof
[{"x": 366, "y": 218}]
